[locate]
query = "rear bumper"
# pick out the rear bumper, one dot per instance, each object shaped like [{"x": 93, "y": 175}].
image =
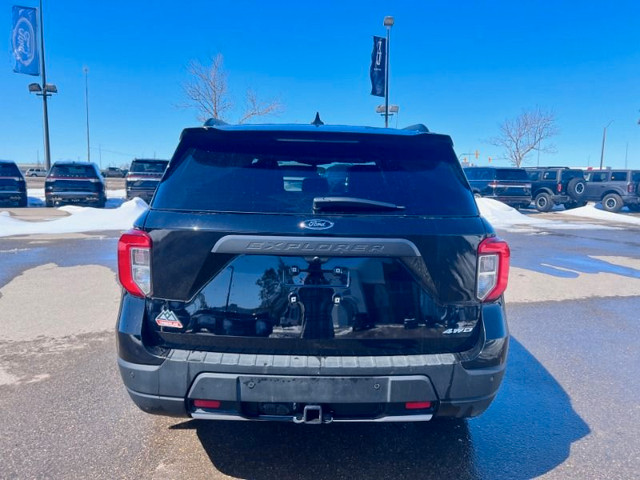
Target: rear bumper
[
  {"x": 371, "y": 388},
  {"x": 12, "y": 196},
  {"x": 73, "y": 197},
  {"x": 145, "y": 194}
]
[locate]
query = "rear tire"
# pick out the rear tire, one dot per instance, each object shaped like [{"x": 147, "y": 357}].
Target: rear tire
[
  {"x": 576, "y": 188},
  {"x": 612, "y": 202},
  {"x": 543, "y": 202},
  {"x": 23, "y": 202},
  {"x": 48, "y": 203}
]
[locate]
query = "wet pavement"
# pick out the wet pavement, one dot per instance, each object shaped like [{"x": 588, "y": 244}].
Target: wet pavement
[{"x": 568, "y": 407}]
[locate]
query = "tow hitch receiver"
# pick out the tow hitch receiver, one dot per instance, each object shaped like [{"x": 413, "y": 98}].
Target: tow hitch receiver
[{"x": 312, "y": 415}]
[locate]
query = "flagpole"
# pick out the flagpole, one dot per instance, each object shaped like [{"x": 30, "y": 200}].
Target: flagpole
[
  {"x": 388, "y": 22},
  {"x": 45, "y": 94}
]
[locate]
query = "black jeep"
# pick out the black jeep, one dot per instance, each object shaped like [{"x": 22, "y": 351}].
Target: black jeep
[
  {"x": 556, "y": 186},
  {"x": 312, "y": 274},
  {"x": 614, "y": 188}
]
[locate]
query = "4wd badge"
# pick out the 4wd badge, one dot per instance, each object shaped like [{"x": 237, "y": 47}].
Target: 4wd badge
[
  {"x": 168, "y": 319},
  {"x": 316, "y": 224}
]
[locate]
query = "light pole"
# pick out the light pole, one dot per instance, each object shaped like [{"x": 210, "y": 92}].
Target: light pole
[
  {"x": 388, "y": 23},
  {"x": 604, "y": 138},
  {"x": 86, "y": 99},
  {"x": 45, "y": 90}
]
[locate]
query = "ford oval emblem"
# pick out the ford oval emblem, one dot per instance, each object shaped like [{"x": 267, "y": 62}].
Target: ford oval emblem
[{"x": 316, "y": 224}]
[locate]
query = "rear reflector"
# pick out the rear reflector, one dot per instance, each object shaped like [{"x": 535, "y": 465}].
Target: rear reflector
[
  {"x": 493, "y": 269},
  {"x": 417, "y": 405},
  {"x": 134, "y": 262},
  {"x": 206, "y": 403}
]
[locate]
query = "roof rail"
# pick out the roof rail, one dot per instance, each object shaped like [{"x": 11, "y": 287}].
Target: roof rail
[
  {"x": 214, "y": 122},
  {"x": 418, "y": 127}
]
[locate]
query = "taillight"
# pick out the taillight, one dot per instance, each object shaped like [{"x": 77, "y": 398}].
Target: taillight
[
  {"x": 559, "y": 188},
  {"x": 134, "y": 262},
  {"x": 493, "y": 269},
  {"x": 631, "y": 187}
]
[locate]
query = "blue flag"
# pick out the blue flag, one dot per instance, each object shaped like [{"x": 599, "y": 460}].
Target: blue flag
[
  {"x": 24, "y": 40},
  {"x": 378, "y": 66}
]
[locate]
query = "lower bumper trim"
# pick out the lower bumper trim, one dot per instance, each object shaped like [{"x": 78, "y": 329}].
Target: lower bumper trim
[{"x": 386, "y": 419}]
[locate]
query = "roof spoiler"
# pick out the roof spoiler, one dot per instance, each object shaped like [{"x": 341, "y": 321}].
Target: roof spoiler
[{"x": 418, "y": 127}]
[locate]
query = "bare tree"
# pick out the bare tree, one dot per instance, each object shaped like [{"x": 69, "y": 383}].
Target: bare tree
[
  {"x": 208, "y": 93},
  {"x": 527, "y": 132}
]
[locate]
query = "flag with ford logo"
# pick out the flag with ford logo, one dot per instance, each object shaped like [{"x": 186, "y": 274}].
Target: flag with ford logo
[
  {"x": 24, "y": 40},
  {"x": 378, "y": 66}
]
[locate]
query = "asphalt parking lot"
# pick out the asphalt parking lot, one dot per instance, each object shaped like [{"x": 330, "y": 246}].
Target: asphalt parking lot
[{"x": 568, "y": 408}]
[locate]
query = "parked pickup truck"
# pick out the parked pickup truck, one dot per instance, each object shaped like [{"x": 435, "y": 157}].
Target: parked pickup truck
[
  {"x": 312, "y": 274},
  {"x": 143, "y": 178}
]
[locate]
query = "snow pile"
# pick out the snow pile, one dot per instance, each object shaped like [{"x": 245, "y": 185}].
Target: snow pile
[
  {"x": 80, "y": 219},
  {"x": 503, "y": 217},
  {"x": 590, "y": 211}
]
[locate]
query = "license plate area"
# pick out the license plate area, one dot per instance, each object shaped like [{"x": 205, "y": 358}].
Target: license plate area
[{"x": 314, "y": 389}]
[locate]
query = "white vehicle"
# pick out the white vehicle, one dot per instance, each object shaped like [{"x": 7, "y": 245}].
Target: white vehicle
[{"x": 36, "y": 172}]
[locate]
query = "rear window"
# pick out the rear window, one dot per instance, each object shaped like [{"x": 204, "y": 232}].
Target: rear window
[
  {"x": 148, "y": 166},
  {"x": 511, "y": 174},
  {"x": 285, "y": 175},
  {"x": 618, "y": 176},
  {"x": 73, "y": 171},
  {"x": 635, "y": 176},
  {"x": 9, "y": 170}
]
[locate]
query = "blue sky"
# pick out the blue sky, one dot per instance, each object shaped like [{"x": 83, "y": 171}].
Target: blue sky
[{"x": 459, "y": 67}]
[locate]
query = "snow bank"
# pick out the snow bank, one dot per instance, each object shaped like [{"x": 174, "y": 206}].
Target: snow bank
[
  {"x": 590, "y": 211},
  {"x": 503, "y": 217},
  {"x": 80, "y": 219}
]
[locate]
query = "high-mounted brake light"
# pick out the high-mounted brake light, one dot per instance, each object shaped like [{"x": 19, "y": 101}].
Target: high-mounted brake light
[
  {"x": 134, "y": 262},
  {"x": 493, "y": 269}
]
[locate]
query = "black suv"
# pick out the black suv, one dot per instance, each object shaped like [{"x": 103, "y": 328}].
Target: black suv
[
  {"x": 312, "y": 274},
  {"x": 614, "y": 188},
  {"x": 75, "y": 183},
  {"x": 143, "y": 178},
  {"x": 557, "y": 186},
  {"x": 507, "y": 185},
  {"x": 13, "y": 188}
]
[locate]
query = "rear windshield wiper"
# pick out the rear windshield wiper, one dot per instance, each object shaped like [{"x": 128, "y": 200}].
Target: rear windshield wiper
[{"x": 351, "y": 204}]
